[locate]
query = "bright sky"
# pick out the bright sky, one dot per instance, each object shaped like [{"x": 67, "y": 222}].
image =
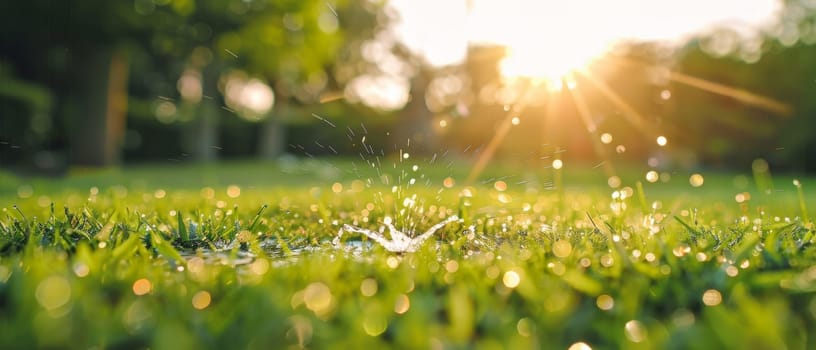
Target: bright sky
[
  {"x": 546, "y": 39},
  {"x": 441, "y": 29}
]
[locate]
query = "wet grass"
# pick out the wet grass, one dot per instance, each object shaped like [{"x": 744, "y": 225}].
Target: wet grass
[{"x": 240, "y": 255}]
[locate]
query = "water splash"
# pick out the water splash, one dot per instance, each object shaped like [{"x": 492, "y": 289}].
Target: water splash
[{"x": 399, "y": 242}]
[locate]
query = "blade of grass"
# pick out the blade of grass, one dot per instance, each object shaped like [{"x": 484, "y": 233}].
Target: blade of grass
[{"x": 183, "y": 234}]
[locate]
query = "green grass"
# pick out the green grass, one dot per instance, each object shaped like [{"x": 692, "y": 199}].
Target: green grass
[{"x": 162, "y": 257}]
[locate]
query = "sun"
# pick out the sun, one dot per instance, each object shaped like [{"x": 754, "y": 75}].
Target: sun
[
  {"x": 553, "y": 45},
  {"x": 551, "y": 67}
]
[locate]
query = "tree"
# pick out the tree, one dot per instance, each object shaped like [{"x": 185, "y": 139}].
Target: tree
[{"x": 81, "y": 51}]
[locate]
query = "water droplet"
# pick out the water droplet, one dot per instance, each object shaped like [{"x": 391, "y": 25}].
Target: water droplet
[
  {"x": 392, "y": 262},
  {"x": 712, "y": 297},
  {"x": 80, "y": 269},
  {"x": 562, "y": 248},
  {"x": 53, "y": 292},
  {"x": 511, "y": 279},
  {"x": 368, "y": 287},
  {"x": 652, "y": 176},
  {"x": 605, "y": 302},
  {"x": 452, "y": 266},
  {"x": 557, "y": 164},
  {"x": 515, "y": 121},
  {"x": 25, "y": 191},
  {"x": 402, "y": 304},
  {"x": 337, "y": 187},
  {"x": 614, "y": 181},
  {"x": 606, "y": 138},
  {"x": 524, "y": 327},
  {"x": 731, "y": 271},
  {"x": 201, "y": 300},
  {"x": 661, "y": 141},
  {"x": 500, "y": 185},
  {"x": 374, "y": 324},
  {"x": 579, "y": 346},
  {"x": 142, "y": 286},
  {"x": 635, "y": 331},
  {"x": 607, "y": 260},
  {"x": 696, "y": 180},
  {"x": 233, "y": 191},
  {"x": 317, "y": 297},
  {"x": 665, "y": 94}
]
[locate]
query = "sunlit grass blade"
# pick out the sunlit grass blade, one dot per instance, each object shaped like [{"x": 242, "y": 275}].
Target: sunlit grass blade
[
  {"x": 184, "y": 235},
  {"x": 165, "y": 248},
  {"x": 257, "y": 218},
  {"x": 802, "y": 205}
]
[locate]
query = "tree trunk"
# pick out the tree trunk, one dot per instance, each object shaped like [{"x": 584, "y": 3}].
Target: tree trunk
[
  {"x": 97, "y": 110},
  {"x": 202, "y": 132},
  {"x": 416, "y": 120},
  {"x": 272, "y": 138}
]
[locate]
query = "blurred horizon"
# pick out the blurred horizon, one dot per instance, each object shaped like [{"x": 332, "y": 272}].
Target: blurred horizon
[{"x": 669, "y": 85}]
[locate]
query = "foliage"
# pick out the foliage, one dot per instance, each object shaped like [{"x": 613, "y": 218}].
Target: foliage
[{"x": 192, "y": 257}]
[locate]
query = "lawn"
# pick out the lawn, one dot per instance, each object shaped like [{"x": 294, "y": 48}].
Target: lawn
[{"x": 240, "y": 255}]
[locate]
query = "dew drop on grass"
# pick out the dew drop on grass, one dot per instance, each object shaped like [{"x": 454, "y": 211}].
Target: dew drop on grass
[
  {"x": 53, "y": 292},
  {"x": 731, "y": 271},
  {"x": 614, "y": 181},
  {"x": 142, "y": 286},
  {"x": 683, "y": 318},
  {"x": 452, "y": 266},
  {"x": 696, "y": 180},
  {"x": 374, "y": 324},
  {"x": 259, "y": 266},
  {"x": 511, "y": 279},
  {"x": 606, "y": 138},
  {"x": 25, "y": 191},
  {"x": 562, "y": 248},
  {"x": 392, "y": 262},
  {"x": 652, "y": 176},
  {"x": 605, "y": 302},
  {"x": 317, "y": 297},
  {"x": 201, "y": 300},
  {"x": 368, "y": 287},
  {"x": 402, "y": 304},
  {"x": 525, "y": 327},
  {"x": 607, "y": 260},
  {"x": 635, "y": 331},
  {"x": 712, "y": 297},
  {"x": 80, "y": 269},
  {"x": 662, "y": 141},
  {"x": 579, "y": 346},
  {"x": 233, "y": 191}
]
